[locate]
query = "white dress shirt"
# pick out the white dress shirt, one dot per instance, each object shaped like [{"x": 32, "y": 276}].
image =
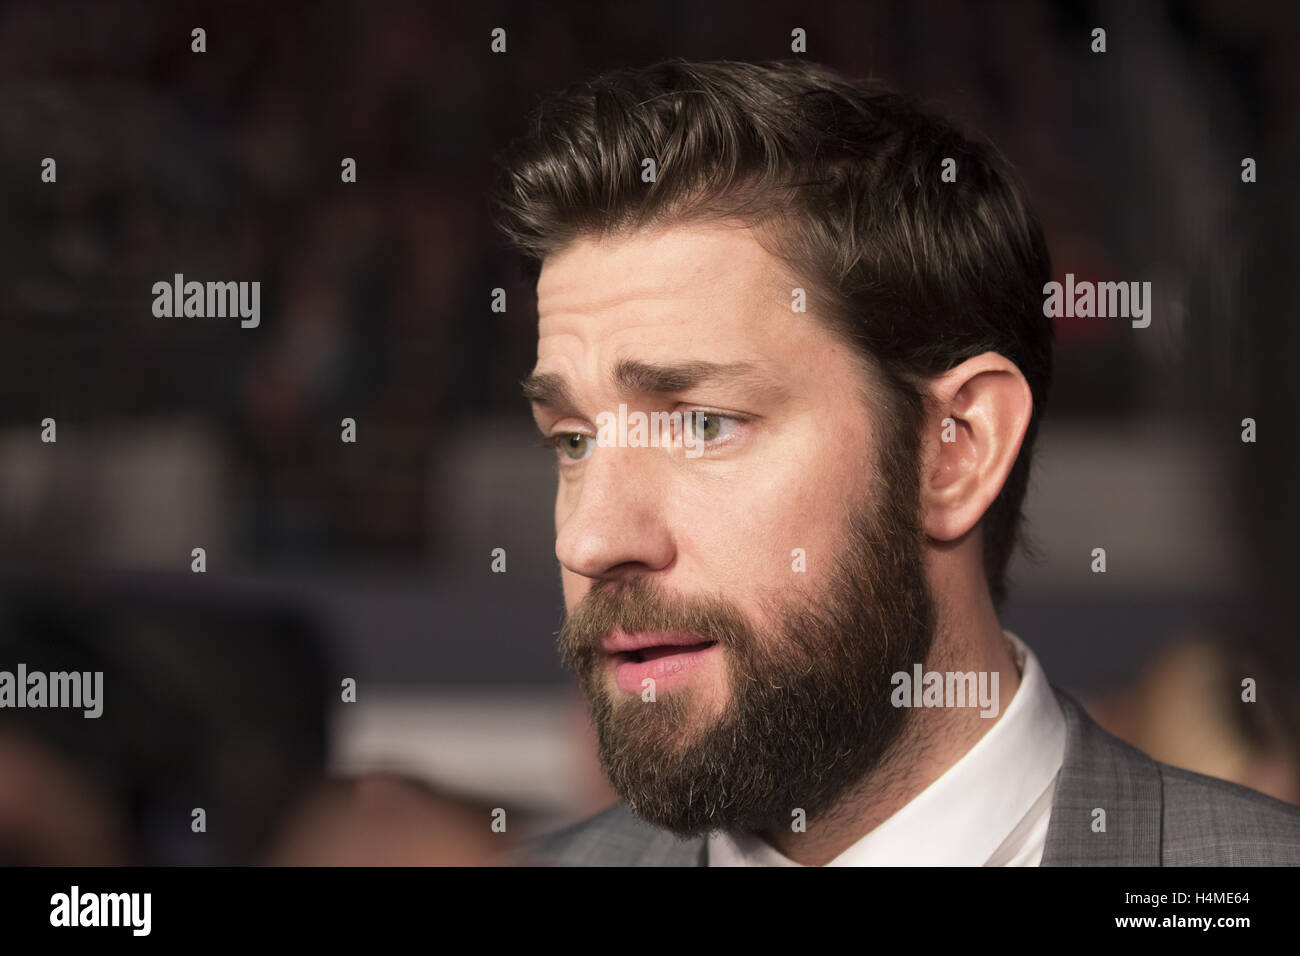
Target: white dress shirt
[{"x": 990, "y": 808}]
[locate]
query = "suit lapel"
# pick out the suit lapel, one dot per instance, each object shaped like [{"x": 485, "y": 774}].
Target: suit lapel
[
  {"x": 1100, "y": 771},
  {"x": 665, "y": 849}
]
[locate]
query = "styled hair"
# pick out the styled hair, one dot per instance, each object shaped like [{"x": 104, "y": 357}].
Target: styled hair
[{"x": 842, "y": 180}]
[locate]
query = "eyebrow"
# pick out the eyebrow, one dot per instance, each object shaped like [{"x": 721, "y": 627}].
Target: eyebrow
[
  {"x": 547, "y": 389},
  {"x": 630, "y": 376}
]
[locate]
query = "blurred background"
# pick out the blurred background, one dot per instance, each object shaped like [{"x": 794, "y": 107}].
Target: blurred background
[{"x": 372, "y": 561}]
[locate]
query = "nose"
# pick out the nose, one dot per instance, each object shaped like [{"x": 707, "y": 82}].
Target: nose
[{"x": 613, "y": 521}]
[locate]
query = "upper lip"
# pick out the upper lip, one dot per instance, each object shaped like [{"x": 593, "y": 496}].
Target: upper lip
[{"x": 620, "y": 642}]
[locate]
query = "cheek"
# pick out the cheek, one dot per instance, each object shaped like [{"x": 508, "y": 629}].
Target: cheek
[
  {"x": 574, "y": 587},
  {"x": 745, "y": 539}
]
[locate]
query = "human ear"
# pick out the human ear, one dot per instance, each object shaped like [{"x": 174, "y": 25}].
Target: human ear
[{"x": 975, "y": 422}]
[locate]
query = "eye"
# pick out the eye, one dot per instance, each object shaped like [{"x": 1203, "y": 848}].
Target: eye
[
  {"x": 573, "y": 445},
  {"x": 710, "y": 426}
]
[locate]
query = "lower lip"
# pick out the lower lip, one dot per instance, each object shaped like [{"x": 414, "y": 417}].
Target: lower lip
[{"x": 666, "y": 672}]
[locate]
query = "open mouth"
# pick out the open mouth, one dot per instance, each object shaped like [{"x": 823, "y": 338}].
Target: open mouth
[{"x": 641, "y": 655}]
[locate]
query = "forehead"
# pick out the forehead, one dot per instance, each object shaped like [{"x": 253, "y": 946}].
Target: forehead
[
  {"x": 712, "y": 280},
  {"x": 681, "y": 295},
  {"x": 664, "y": 260}
]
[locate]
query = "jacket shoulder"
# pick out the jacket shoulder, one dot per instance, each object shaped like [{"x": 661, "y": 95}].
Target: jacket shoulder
[
  {"x": 1160, "y": 815},
  {"x": 613, "y": 837},
  {"x": 1211, "y": 822}
]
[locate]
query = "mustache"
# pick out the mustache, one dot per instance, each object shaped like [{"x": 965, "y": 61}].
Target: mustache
[{"x": 637, "y": 605}]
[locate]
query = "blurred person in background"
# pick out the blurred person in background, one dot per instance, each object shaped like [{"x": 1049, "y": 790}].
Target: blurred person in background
[
  {"x": 386, "y": 819},
  {"x": 212, "y": 705},
  {"x": 1187, "y": 710}
]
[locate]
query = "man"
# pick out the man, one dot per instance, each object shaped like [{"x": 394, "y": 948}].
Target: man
[{"x": 782, "y": 600}]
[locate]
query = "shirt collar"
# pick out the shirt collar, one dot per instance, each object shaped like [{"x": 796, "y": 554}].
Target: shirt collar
[{"x": 966, "y": 814}]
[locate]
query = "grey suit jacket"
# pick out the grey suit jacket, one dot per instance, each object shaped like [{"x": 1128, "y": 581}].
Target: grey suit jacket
[{"x": 1156, "y": 815}]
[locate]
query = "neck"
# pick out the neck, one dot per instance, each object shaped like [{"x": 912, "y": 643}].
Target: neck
[{"x": 932, "y": 739}]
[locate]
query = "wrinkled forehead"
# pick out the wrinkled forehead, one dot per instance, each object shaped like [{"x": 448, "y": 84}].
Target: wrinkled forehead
[
  {"x": 701, "y": 293},
  {"x": 714, "y": 283}
]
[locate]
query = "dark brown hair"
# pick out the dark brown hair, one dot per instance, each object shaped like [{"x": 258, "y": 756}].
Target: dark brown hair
[{"x": 843, "y": 178}]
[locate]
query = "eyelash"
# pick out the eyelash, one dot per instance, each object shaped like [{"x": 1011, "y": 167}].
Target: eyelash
[{"x": 552, "y": 442}]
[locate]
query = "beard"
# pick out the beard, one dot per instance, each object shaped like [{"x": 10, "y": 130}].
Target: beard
[{"x": 808, "y": 714}]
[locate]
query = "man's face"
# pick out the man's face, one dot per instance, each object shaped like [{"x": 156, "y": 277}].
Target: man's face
[{"x": 734, "y": 615}]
